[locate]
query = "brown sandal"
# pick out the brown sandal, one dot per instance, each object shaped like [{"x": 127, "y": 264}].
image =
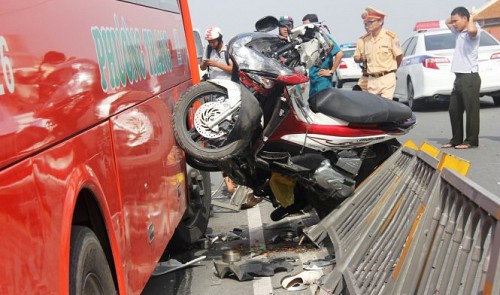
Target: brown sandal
[
  {"x": 464, "y": 146},
  {"x": 447, "y": 145}
]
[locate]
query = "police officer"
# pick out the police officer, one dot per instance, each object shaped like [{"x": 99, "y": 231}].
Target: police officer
[{"x": 382, "y": 55}]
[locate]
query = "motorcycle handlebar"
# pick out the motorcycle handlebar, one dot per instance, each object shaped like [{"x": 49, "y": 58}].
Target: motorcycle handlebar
[{"x": 285, "y": 48}]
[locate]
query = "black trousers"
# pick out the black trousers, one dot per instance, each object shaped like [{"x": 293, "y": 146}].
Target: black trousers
[{"x": 465, "y": 97}]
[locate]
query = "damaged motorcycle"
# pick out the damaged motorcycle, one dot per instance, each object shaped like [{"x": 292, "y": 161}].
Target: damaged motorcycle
[{"x": 265, "y": 133}]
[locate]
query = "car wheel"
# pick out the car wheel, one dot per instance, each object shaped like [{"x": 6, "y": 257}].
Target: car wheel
[
  {"x": 340, "y": 83},
  {"x": 496, "y": 100},
  {"x": 415, "y": 105}
]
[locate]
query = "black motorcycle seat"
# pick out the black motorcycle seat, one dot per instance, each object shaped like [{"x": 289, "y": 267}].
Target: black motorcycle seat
[{"x": 358, "y": 107}]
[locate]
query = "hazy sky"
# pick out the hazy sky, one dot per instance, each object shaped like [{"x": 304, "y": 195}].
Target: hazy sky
[{"x": 342, "y": 17}]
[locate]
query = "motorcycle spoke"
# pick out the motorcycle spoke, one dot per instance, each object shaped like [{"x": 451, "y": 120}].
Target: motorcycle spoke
[{"x": 204, "y": 142}]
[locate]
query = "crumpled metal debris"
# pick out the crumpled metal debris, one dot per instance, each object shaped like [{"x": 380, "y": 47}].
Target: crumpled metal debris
[
  {"x": 235, "y": 234},
  {"x": 285, "y": 236},
  {"x": 209, "y": 240},
  {"x": 245, "y": 270},
  {"x": 172, "y": 265}
]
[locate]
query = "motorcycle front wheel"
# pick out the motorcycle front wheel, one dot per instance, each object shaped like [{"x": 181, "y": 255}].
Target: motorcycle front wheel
[{"x": 194, "y": 110}]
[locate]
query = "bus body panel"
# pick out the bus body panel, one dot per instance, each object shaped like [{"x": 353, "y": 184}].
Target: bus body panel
[
  {"x": 87, "y": 88},
  {"x": 151, "y": 169},
  {"x": 67, "y": 75},
  {"x": 38, "y": 197}
]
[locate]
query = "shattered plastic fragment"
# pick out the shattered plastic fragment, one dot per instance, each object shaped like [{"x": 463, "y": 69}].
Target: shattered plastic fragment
[
  {"x": 316, "y": 264},
  {"x": 301, "y": 281}
]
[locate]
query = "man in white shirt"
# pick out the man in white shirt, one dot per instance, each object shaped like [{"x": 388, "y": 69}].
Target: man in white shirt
[{"x": 465, "y": 94}]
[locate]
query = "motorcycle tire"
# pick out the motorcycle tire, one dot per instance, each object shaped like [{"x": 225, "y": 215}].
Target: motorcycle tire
[
  {"x": 194, "y": 144},
  {"x": 201, "y": 165}
]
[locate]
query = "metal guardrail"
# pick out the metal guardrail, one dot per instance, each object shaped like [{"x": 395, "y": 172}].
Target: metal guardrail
[{"x": 416, "y": 226}]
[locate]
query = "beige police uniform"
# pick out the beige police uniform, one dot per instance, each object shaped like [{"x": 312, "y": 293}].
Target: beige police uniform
[
  {"x": 360, "y": 48},
  {"x": 381, "y": 53}
]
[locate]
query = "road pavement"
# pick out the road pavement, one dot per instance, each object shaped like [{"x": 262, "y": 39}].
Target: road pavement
[{"x": 255, "y": 236}]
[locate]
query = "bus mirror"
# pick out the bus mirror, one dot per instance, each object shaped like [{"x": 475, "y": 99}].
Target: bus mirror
[{"x": 199, "y": 45}]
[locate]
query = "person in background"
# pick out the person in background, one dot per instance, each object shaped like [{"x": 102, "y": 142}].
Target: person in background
[
  {"x": 465, "y": 93},
  {"x": 382, "y": 55},
  {"x": 321, "y": 77},
  {"x": 310, "y": 18},
  {"x": 285, "y": 25},
  {"x": 360, "y": 47},
  {"x": 216, "y": 59}
]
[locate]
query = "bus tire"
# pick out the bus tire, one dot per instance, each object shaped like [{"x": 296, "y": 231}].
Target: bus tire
[
  {"x": 89, "y": 269},
  {"x": 194, "y": 222}
]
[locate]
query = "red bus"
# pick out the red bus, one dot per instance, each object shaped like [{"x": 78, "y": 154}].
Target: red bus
[{"x": 92, "y": 183}]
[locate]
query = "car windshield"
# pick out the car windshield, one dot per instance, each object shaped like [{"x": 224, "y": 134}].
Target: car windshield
[
  {"x": 348, "y": 53},
  {"x": 447, "y": 41}
]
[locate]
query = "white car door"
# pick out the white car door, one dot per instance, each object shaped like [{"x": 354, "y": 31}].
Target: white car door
[{"x": 402, "y": 73}]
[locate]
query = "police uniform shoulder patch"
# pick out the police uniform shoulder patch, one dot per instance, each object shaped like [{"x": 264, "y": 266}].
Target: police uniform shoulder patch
[{"x": 391, "y": 34}]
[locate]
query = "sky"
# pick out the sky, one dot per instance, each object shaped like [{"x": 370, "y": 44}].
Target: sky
[{"x": 342, "y": 17}]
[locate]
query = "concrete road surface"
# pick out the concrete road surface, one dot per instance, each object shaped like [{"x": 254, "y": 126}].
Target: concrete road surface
[
  {"x": 434, "y": 127},
  {"x": 260, "y": 239}
]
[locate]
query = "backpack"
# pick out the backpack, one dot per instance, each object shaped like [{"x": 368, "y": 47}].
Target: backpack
[{"x": 209, "y": 52}]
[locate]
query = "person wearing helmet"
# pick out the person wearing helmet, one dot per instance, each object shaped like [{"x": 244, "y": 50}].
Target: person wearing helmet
[
  {"x": 285, "y": 25},
  {"x": 216, "y": 58}
]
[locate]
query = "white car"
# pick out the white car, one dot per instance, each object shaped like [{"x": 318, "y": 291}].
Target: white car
[
  {"x": 348, "y": 70},
  {"x": 425, "y": 75}
]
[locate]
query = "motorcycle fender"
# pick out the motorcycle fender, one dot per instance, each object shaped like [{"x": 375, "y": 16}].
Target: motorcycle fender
[
  {"x": 233, "y": 89},
  {"x": 250, "y": 112}
]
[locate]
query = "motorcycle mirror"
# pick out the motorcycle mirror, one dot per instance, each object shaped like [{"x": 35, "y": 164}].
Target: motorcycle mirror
[{"x": 266, "y": 24}]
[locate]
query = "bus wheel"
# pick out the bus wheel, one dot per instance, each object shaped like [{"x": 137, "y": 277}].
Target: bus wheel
[
  {"x": 89, "y": 269},
  {"x": 195, "y": 220}
]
